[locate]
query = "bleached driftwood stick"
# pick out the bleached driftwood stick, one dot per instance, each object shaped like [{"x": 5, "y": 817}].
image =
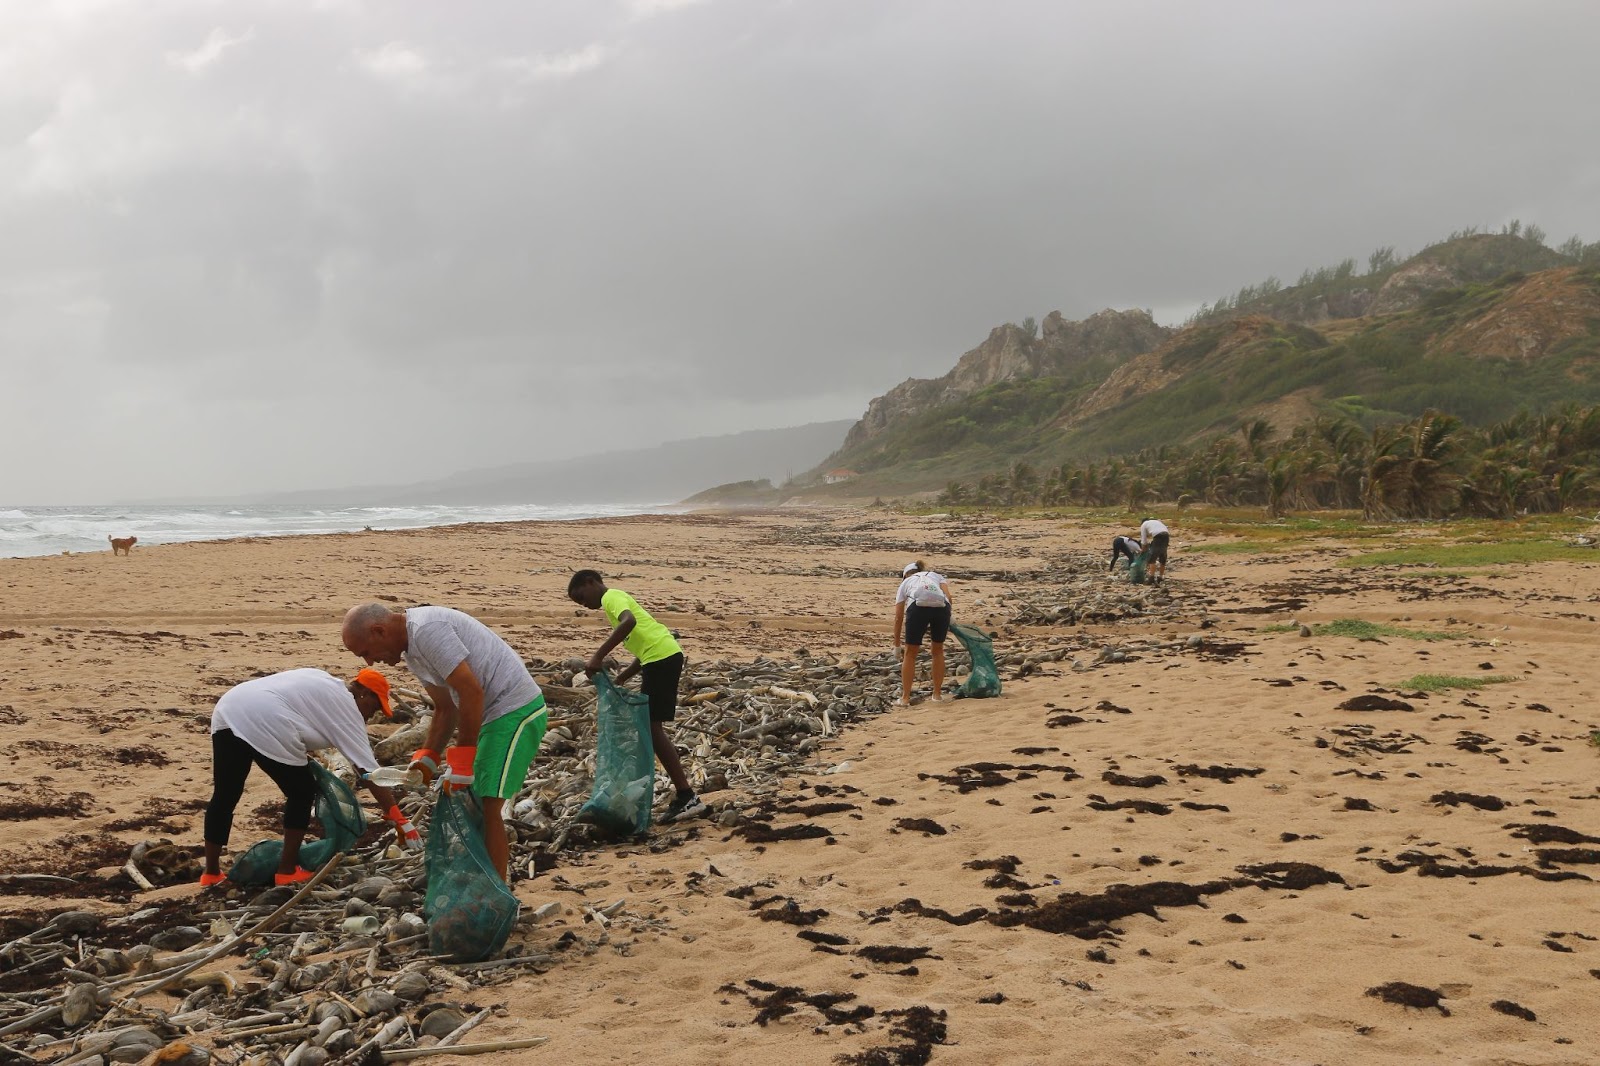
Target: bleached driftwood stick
[{"x": 463, "y": 1049}]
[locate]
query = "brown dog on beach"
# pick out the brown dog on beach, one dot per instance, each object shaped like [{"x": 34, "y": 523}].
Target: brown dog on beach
[{"x": 122, "y": 545}]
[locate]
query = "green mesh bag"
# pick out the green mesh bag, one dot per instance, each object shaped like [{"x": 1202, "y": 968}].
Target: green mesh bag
[
  {"x": 470, "y": 911},
  {"x": 342, "y": 820},
  {"x": 1136, "y": 569},
  {"x": 983, "y": 680},
  {"x": 624, "y": 763}
]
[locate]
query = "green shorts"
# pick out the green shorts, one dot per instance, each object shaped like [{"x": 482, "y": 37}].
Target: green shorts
[{"x": 506, "y": 747}]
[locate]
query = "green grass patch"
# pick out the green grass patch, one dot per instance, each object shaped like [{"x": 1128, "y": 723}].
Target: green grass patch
[
  {"x": 1359, "y": 630},
  {"x": 1356, "y": 629},
  {"x": 1441, "y": 682},
  {"x": 1475, "y": 554}
]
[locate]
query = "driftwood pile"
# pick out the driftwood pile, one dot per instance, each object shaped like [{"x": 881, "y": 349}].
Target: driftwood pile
[{"x": 337, "y": 973}]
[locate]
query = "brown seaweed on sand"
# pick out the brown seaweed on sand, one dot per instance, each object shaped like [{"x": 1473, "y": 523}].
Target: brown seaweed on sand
[{"x": 1409, "y": 995}]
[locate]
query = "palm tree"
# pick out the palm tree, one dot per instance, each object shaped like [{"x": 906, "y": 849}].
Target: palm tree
[
  {"x": 1138, "y": 493},
  {"x": 1281, "y": 475},
  {"x": 1416, "y": 480}
]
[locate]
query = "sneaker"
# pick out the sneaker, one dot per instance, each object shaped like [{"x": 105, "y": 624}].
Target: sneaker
[
  {"x": 686, "y": 806},
  {"x": 300, "y": 876},
  {"x": 207, "y": 880},
  {"x": 902, "y": 702}
]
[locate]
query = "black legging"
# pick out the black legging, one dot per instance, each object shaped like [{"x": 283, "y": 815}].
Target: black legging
[
  {"x": 1119, "y": 548},
  {"x": 230, "y": 765}
]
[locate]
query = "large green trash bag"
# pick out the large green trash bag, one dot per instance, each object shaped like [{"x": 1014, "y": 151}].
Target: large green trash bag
[
  {"x": 983, "y": 680},
  {"x": 470, "y": 911},
  {"x": 1136, "y": 570},
  {"x": 624, "y": 763},
  {"x": 342, "y": 820}
]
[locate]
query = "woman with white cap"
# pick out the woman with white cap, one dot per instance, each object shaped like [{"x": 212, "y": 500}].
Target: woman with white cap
[{"x": 921, "y": 606}]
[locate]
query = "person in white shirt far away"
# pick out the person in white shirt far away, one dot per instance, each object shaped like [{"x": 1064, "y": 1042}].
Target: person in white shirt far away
[
  {"x": 1153, "y": 533},
  {"x": 921, "y": 608}
]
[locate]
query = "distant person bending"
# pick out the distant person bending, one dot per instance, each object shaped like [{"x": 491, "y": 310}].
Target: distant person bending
[
  {"x": 659, "y": 661},
  {"x": 1121, "y": 546},
  {"x": 482, "y": 693},
  {"x": 921, "y": 607},
  {"x": 1153, "y": 532},
  {"x": 275, "y": 722}
]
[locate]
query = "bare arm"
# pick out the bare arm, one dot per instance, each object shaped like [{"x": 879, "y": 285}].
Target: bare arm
[
  {"x": 944, "y": 588},
  {"x": 444, "y": 717},
  {"x": 899, "y": 621},
  {"x": 383, "y": 796},
  {"x": 469, "y": 708},
  {"x": 597, "y": 661}
]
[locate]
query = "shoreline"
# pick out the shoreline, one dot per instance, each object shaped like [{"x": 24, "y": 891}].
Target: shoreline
[
  {"x": 43, "y": 531},
  {"x": 110, "y": 658}
]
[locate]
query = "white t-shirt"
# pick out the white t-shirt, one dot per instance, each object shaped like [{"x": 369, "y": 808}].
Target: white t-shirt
[
  {"x": 922, "y": 589},
  {"x": 439, "y": 639},
  {"x": 1149, "y": 528},
  {"x": 289, "y": 715}
]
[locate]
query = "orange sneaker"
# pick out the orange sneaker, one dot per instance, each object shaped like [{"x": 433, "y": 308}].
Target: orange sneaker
[
  {"x": 300, "y": 876},
  {"x": 207, "y": 880}
]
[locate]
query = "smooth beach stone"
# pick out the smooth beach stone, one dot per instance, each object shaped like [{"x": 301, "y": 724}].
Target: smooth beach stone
[
  {"x": 133, "y": 1046},
  {"x": 442, "y": 1022},
  {"x": 370, "y": 889},
  {"x": 330, "y": 1008},
  {"x": 177, "y": 938},
  {"x": 76, "y": 923},
  {"x": 375, "y": 1001},
  {"x": 396, "y": 898},
  {"x": 81, "y": 1006},
  {"x": 355, "y": 908},
  {"x": 410, "y": 987}
]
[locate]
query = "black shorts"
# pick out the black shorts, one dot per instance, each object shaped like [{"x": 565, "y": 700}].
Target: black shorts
[
  {"x": 920, "y": 620},
  {"x": 1157, "y": 552},
  {"x": 659, "y": 681}
]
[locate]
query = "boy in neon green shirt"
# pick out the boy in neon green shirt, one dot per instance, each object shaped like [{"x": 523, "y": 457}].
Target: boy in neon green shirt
[{"x": 659, "y": 661}]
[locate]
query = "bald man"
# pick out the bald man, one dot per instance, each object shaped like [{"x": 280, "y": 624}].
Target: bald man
[{"x": 482, "y": 694}]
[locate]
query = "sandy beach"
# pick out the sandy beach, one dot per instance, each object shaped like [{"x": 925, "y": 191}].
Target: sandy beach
[{"x": 1285, "y": 855}]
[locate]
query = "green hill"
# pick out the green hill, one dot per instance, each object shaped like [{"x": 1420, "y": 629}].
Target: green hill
[{"x": 1481, "y": 326}]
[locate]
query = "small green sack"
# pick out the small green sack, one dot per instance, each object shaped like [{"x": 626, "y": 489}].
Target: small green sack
[
  {"x": 1136, "y": 570},
  {"x": 624, "y": 763},
  {"x": 470, "y": 911},
  {"x": 983, "y": 680},
  {"x": 343, "y": 823}
]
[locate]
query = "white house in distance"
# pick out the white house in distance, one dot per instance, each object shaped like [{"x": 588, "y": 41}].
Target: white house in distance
[{"x": 833, "y": 477}]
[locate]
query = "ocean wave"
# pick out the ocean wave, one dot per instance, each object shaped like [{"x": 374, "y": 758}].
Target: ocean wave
[{"x": 52, "y": 530}]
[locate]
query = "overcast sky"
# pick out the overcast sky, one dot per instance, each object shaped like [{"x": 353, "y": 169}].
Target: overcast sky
[{"x": 248, "y": 246}]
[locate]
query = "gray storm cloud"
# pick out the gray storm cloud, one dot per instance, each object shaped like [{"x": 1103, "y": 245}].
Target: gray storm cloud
[{"x": 242, "y": 240}]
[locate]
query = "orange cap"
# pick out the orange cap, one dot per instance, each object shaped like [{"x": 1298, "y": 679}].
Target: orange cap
[{"x": 379, "y": 686}]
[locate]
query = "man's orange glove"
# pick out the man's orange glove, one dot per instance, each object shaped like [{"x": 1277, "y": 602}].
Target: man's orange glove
[
  {"x": 426, "y": 760},
  {"x": 459, "y": 761}
]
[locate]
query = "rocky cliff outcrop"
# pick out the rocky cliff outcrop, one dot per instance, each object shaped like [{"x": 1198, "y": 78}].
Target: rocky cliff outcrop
[
  {"x": 1537, "y": 315},
  {"x": 1009, "y": 354},
  {"x": 1151, "y": 372},
  {"x": 1407, "y": 287}
]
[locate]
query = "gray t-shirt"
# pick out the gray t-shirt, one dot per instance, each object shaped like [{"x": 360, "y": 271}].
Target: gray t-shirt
[{"x": 439, "y": 639}]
